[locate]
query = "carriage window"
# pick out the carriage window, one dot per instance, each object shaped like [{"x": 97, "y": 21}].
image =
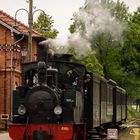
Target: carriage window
[{"x": 109, "y": 95}]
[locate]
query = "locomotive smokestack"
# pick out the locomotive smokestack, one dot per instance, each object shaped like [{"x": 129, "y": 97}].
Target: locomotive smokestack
[
  {"x": 42, "y": 58},
  {"x": 42, "y": 52},
  {"x": 42, "y": 73}
]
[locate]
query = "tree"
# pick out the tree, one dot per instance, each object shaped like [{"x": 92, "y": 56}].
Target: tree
[
  {"x": 118, "y": 9},
  {"x": 89, "y": 60},
  {"x": 103, "y": 17},
  {"x": 130, "y": 56},
  {"x": 107, "y": 53},
  {"x": 91, "y": 63},
  {"x": 44, "y": 25}
]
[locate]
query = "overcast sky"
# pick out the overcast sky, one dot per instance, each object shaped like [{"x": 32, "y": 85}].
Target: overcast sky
[{"x": 60, "y": 10}]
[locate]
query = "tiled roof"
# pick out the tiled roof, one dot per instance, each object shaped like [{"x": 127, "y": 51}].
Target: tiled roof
[{"x": 7, "y": 19}]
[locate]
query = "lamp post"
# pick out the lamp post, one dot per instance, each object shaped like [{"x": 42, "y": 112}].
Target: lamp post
[
  {"x": 30, "y": 23},
  {"x": 21, "y": 9}
]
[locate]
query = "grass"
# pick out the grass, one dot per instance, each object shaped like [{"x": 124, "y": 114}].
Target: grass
[{"x": 132, "y": 113}]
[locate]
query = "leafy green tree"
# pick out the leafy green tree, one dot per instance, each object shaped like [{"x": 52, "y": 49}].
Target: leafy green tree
[
  {"x": 130, "y": 55},
  {"x": 102, "y": 41},
  {"x": 90, "y": 61},
  {"x": 118, "y": 9},
  {"x": 107, "y": 53},
  {"x": 44, "y": 25},
  {"x": 136, "y": 16}
]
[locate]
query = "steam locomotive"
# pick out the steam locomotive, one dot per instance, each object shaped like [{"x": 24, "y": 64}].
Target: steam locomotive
[{"x": 62, "y": 100}]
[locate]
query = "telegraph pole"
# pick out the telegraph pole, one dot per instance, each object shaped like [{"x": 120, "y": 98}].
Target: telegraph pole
[{"x": 30, "y": 22}]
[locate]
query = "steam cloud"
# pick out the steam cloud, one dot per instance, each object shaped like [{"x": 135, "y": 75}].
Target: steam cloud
[{"x": 94, "y": 18}]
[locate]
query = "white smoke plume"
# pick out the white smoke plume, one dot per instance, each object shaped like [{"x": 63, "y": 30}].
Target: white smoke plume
[
  {"x": 94, "y": 18},
  {"x": 80, "y": 45},
  {"x": 97, "y": 18}
]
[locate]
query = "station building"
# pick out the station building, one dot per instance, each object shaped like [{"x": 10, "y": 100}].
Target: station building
[{"x": 13, "y": 52}]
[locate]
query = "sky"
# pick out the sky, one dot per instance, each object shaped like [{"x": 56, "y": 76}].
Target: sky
[{"x": 60, "y": 10}]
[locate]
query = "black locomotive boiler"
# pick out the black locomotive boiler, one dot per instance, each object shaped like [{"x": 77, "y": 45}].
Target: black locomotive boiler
[{"x": 60, "y": 99}]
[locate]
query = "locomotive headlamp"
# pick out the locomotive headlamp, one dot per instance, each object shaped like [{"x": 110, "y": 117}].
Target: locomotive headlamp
[
  {"x": 58, "y": 110},
  {"x": 21, "y": 110}
]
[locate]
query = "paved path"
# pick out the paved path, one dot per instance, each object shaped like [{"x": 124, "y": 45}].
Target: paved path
[
  {"x": 132, "y": 132},
  {"x": 4, "y": 136}
]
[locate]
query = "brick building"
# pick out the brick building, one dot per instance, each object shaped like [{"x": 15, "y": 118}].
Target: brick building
[{"x": 13, "y": 48}]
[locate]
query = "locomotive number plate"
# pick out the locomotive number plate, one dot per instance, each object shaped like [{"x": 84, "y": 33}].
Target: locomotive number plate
[{"x": 112, "y": 134}]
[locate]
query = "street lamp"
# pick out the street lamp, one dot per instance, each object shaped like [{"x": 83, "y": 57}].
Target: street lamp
[
  {"x": 30, "y": 23},
  {"x": 23, "y": 52},
  {"x": 21, "y": 9}
]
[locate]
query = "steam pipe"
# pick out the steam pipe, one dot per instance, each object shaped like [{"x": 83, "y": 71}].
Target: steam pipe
[
  {"x": 42, "y": 73},
  {"x": 42, "y": 52}
]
